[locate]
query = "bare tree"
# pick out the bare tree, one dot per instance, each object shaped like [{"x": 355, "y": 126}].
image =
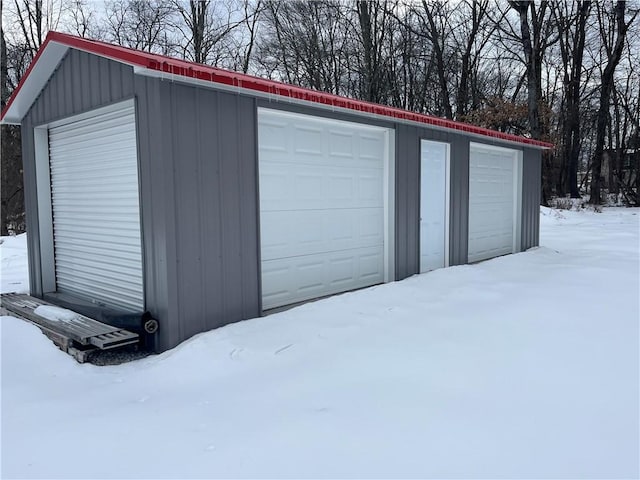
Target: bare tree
[
  {"x": 536, "y": 34},
  {"x": 83, "y": 20},
  {"x": 205, "y": 28},
  {"x": 305, "y": 43},
  {"x": 25, "y": 24},
  {"x": 252, "y": 14},
  {"x": 436, "y": 29},
  {"x": 571, "y": 19},
  {"x": 472, "y": 32},
  {"x": 614, "y": 54},
  {"x": 12, "y": 199},
  {"x": 141, "y": 24},
  {"x": 373, "y": 35}
]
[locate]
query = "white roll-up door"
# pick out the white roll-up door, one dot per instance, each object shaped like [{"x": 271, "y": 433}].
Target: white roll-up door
[
  {"x": 322, "y": 207},
  {"x": 96, "y": 212},
  {"x": 493, "y": 194}
]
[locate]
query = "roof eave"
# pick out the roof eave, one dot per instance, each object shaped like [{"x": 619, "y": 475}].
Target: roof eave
[{"x": 33, "y": 81}]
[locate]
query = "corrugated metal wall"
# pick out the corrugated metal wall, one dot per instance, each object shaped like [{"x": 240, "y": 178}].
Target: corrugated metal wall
[
  {"x": 531, "y": 191},
  {"x": 408, "y": 196},
  {"x": 209, "y": 179},
  {"x": 199, "y": 190}
]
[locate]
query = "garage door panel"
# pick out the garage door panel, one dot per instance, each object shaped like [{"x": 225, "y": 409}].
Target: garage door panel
[
  {"x": 341, "y": 144},
  {"x": 308, "y": 140},
  {"x": 318, "y": 143},
  {"x": 321, "y": 206},
  {"x": 319, "y": 275},
  {"x": 95, "y": 205},
  {"x": 318, "y": 231},
  {"x": 341, "y": 186},
  {"x": 370, "y": 147},
  {"x": 491, "y": 202},
  {"x": 317, "y": 187},
  {"x": 293, "y": 158}
]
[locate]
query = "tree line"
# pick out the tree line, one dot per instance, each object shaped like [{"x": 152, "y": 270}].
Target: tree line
[{"x": 567, "y": 72}]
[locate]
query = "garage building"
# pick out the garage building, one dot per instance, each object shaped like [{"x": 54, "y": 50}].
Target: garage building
[{"x": 204, "y": 197}]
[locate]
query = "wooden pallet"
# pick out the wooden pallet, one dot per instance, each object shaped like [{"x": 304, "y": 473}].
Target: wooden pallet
[{"x": 77, "y": 334}]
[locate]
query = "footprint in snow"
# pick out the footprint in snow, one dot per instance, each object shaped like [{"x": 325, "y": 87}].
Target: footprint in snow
[
  {"x": 235, "y": 353},
  {"x": 280, "y": 350}
]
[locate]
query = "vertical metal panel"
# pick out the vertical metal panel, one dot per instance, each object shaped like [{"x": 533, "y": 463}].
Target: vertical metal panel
[
  {"x": 154, "y": 193},
  {"x": 209, "y": 205},
  {"x": 185, "y": 149},
  {"x": 71, "y": 82},
  {"x": 31, "y": 207},
  {"x": 531, "y": 185},
  {"x": 407, "y": 201},
  {"x": 227, "y": 123},
  {"x": 246, "y": 122},
  {"x": 459, "y": 210}
]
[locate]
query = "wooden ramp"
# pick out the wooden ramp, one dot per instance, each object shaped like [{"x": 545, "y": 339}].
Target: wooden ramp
[{"x": 75, "y": 334}]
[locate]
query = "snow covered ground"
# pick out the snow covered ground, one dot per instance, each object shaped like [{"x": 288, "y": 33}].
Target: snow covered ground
[
  {"x": 14, "y": 273},
  {"x": 525, "y": 366}
]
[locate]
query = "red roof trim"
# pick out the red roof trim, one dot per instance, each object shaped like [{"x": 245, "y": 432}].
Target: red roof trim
[{"x": 225, "y": 77}]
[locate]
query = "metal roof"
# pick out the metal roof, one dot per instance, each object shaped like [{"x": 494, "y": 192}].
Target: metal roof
[{"x": 56, "y": 45}]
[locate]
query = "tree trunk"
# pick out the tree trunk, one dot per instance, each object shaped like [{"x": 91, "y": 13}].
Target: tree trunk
[
  {"x": 602, "y": 118},
  {"x": 572, "y": 59},
  {"x": 435, "y": 35},
  {"x": 198, "y": 24},
  {"x": 533, "y": 65},
  {"x": 370, "y": 91}
]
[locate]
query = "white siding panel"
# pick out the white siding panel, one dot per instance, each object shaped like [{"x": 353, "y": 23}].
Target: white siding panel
[
  {"x": 321, "y": 206},
  {"x": 96, "y": 211}
]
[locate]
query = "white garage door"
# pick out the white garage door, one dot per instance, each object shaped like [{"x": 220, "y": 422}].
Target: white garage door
[
  {"x": 321, "y": 206},
  {"x": 492, "y": 201},
  {"x": 96, "y": 213}
]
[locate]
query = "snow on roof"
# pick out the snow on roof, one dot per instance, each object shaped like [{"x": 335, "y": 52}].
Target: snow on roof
[{"x": 56, "y": 45}]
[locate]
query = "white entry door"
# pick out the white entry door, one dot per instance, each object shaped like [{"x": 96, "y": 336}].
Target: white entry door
[
  {"x": 434, "y": 196},
  {"x": 322, "y": 206},
  {"x": 493, "y": 201}
]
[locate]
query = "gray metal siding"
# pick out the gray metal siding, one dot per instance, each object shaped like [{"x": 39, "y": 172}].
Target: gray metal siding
[
  {"x": 459, "y": 204},
  {"x": 156, "y": 199},
  {"x": 210, "y": 172},
  {"x": 531, "y": 186},
  {"x": 408, "y": 196},
  {"x": 31, "y": 207},
  {"x": 76, "y": 87},
  {"x": 407, "y": 246}
]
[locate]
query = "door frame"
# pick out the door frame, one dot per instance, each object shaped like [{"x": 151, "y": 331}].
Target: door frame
[
  {"x": 447, "y": 201},
  {"x": 48, "y": 278}
]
